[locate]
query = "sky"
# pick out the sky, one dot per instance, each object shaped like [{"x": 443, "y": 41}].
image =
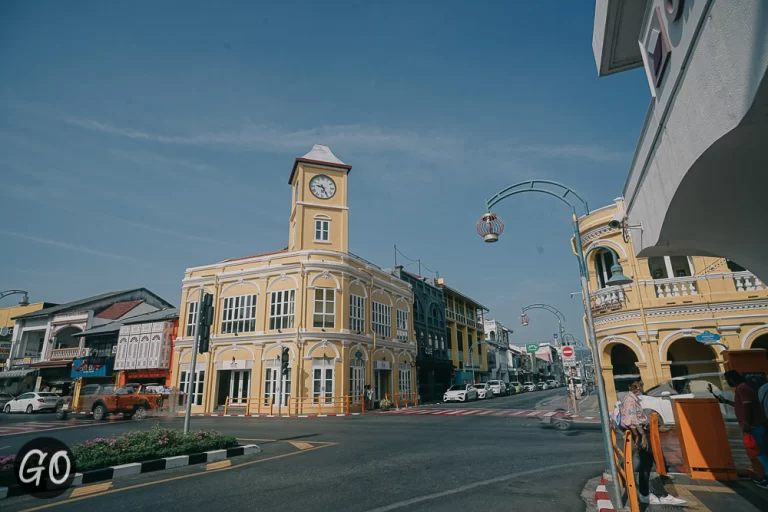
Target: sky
[{"x": 142, "y": 138}]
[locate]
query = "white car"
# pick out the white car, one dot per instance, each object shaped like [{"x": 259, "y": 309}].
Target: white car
[
  {"x": 33, "y": 402},
  {"x": 529, "y": 386},
  {"x": 499, "y": 387},
  {"x": 552, "y": 383},
  {"x": 460, "y": 393},
  {"x": 484, "y": 391},
  {"x": 659, "y": 398},
  {"x": 542, "y": 386}
]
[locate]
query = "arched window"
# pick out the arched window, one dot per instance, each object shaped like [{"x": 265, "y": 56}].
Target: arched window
[
  {"x": 493, "y": 336},
  {"x": 603, "y": 263}
]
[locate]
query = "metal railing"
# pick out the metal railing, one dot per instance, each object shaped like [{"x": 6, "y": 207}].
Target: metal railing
[
  {"x": 403, "y": 399},
  {"x": 64, "y": 353},
  {"x": 329, "y": 404},
  {"x": 261, "y": 403},
  {"x": 622, "y": 454}
]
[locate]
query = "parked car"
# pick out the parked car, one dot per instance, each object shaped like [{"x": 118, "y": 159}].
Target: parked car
[
  {"x": 542, "y": 386},
  {"x": 515, "y": 388},
  {"x": 499, "y": 387},
  {"x": 33, "y": 402},
  {"x": 131, "y": 400},
  {"x": 552, "y": 383},
  {"x": 529, "y": 386},
  {"x": 659, "y": 398},
  {"x": 4, "y": 399},
  {"x": 484, "y": 391},
  {"x": 460, "y": 393}
]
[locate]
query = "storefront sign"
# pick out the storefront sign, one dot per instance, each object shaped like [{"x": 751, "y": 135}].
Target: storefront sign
[
  {"x": 382, "y": 365},
  {"x": 92, "y": 367}
]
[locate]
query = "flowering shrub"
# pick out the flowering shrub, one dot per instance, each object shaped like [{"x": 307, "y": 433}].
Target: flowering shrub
[
  {"x": 6, "y": 464},
  {"x": 385, "y": 404},
  {"x": 156, "y": 443}
]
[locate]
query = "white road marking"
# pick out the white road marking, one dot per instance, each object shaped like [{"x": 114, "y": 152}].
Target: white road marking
[
  {"x": 549, "y": 414},
  {"x": 481, "y": 483}
]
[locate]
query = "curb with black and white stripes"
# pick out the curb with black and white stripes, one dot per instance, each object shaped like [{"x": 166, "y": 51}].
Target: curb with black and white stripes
[
  {"x": 137, "y": 468},
  {"x": 602, "y": 498}
]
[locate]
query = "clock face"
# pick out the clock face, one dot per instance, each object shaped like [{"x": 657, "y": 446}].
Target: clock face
[{"x": 322, "y": 187}]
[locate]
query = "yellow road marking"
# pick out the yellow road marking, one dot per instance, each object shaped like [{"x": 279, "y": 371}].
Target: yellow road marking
[
  {"x": 180, "y": 477},
  {"x": 218, "y": 465},
  {"x": 301, "y": 445},
  {"x": 294, "y": 443},
  {"x": 90, "y": 489}
]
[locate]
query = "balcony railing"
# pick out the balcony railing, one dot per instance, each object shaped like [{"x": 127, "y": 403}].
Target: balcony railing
[
  {"x": 59, "y": 354},
  {"x": 746, "y": 281},
  {"x": 675, "y": 287},
  {"x": 450, "y": 314},
  {"x": 19, "y": 361}
]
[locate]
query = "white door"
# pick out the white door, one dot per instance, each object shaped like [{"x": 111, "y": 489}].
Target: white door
[
  {"x": 274, "y": 386},
  {"x": 239, "y": 383},
  {"x": 20, "y": 404},
  {"x": 382, "y": 385},
  {"x": 357, "y": 380},
  {"x": 322, "y": 380}
]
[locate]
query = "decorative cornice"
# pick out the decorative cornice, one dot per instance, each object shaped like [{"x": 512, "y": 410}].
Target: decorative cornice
[
  {"x": 697, "y": 309},
  {"x": 596, "y": 233}
]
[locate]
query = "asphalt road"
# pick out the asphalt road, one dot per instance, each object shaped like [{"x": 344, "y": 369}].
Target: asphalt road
[{"x": 376, "y": 462}]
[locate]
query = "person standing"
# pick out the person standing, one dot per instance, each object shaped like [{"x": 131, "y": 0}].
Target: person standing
[
  {"x": 634, "y": 418},
  {"x": 750, "y": 415}
]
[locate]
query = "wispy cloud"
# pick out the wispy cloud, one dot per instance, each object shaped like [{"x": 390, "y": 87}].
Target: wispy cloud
[
  {"x": 71, "y": 247},
  {"x": 587, "y": 152},
  {"x": 163, "y": 162}
]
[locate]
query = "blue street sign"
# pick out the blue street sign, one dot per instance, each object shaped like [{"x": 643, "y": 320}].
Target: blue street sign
[
  {"x": 707, "y": 336},
  {"x": 554, "y": 335}
]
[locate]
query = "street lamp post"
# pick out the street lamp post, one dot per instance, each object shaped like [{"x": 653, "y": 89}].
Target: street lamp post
[
  {"x": 551, "y": 309},
  {"x": 471, "y": 353},
  {"x": 490, "y": 226}
]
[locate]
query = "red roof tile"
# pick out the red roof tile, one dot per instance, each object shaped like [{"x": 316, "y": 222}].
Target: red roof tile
[{"x": 118, "y": 309}]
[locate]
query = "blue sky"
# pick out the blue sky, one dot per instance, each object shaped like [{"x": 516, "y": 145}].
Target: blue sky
[{"x": 142, "y": 138}]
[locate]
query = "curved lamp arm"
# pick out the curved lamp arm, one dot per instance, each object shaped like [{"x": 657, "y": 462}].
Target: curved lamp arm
[{"x": 546, "y": 307}]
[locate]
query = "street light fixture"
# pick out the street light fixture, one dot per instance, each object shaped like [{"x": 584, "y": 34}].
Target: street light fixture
[
  {"x": 524, "y": 319},
  {"x": 24, "y": 300},
  {"x": 490, "y": 228}
]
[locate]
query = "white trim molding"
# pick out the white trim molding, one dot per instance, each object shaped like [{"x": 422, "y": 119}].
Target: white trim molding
[
  {"x": 240, "y": 282},
  {"x": 282, "y": 277},
  {"x": 268, "y": 348},
  {"x": 682, "y": 333},
  {"x": 220, "y": 349},
  {"x": 618, "y": 340},
  {"x": 607, "y": 244},
  {"x": 326, "y": 274},
  {"x": 323, "y": 344},
  {"x": 751, "y": 335},
  {"x": 384, "y": 350}
]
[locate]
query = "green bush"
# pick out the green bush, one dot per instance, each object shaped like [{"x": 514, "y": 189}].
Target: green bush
[{"x": 156, "y": 443}]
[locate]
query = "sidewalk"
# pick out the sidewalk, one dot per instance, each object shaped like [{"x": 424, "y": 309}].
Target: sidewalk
[
  {"x": 587, "y": 406},
  {"x": 701, "y": 495}
]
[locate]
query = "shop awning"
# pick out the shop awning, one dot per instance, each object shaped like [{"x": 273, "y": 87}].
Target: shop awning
[
  {"x": 15, "y": 374},
  {"x": 51, "y": 364}
]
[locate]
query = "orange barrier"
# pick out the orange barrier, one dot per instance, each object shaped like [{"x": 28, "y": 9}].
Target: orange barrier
[
  {"x": 261, "y": 404},
  {"x": 622, "y": 454},
  {"x": 655, "y": 440},
  {"x": 329, "y": 404},
  {"x": 405, "y": 398},
  {"x": 703, "y": 439}
]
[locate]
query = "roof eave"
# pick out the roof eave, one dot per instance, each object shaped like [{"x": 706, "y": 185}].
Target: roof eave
[
  {"x": 315, "y": 162},
  {"x": 616, "y": 20}
]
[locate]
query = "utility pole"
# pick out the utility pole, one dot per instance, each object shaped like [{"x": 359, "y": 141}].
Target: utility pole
[{"x": 202, "y": 339}]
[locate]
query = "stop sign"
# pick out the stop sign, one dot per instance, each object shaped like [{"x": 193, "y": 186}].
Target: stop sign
[{"x": 567, "y": 352}]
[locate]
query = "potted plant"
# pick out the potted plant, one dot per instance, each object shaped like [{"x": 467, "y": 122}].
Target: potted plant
[{"x": 385, "y": 404}]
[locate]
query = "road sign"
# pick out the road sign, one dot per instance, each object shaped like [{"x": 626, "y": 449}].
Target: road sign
[
  {"x": 531, "y": 348},
  {"x": 707, "y": 336},
  {"x": 554, "y": 336},
  {"x": 568, "y": 353}
]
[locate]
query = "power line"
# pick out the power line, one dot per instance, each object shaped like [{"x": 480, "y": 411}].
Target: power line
[{"x": 421, "y": 265}]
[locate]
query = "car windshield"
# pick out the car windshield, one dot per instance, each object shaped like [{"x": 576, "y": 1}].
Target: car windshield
[
  {"x": 529, "y": 383},
  {"x": 480, "y": 386},
  {"x": 126, "y": 390},
  {"x": 493, "y": 383},
  {"x": 514, "y": 383},
  {"x": 458, "y": 387},
  {"x": 47, "y": 394}
]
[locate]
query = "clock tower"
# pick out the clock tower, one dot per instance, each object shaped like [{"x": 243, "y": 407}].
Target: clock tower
[{"x": 319, "y": 213}]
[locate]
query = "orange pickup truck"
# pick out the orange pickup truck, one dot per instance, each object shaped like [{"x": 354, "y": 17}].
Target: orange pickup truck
[{"x": 130, "y": 400}]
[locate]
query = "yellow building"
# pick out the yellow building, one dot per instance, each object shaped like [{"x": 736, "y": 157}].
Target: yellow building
[
  {"x": 649, "y": 327},
  {"x": 465, "y": 331},
  {"x": 345, "y": 321},
  {"x": 7, "y": 323}
]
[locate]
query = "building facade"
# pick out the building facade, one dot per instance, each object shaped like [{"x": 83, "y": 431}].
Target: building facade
[
  {"x": 7, "y": 324},
  {"x": 433, "y": 361},
  {"x": 703, "y": 136},
  {"x": 497, "y": 341},
  {"x": 344, "y": 321},
  {"x": 649, "y": 327},
  {"x": 464, "y": 332}
]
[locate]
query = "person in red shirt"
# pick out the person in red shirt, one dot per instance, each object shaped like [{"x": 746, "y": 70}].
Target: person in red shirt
[{"x": 749, "y": 414}]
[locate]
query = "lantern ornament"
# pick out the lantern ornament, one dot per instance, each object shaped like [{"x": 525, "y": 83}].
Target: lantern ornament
[
  {"x": 490, "y": 227},
  {"x": 524, "y": 319}
]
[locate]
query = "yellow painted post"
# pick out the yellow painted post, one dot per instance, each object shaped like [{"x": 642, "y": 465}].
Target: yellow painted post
[
  {"x": 346, "y": 405},
  {"x": 362, "y": 405},
  {"x": 271, "y": 404},
  {"x": 226, "y": 405},
  {"x": 629, "y": 471},
  {"x": 320, "y": 400},
  {"x": 248, "y": 406}
]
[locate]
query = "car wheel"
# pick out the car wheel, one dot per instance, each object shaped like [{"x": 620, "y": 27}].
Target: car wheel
[
  {"x": 7, "y": 409},
  {"x": 465, "y": 398},
  {"x": 140, "y": 412},
  {"x": 29, "y": 409},
  {"x": 61, "y": 414},
  {"x": 562, "y": 426},
  {"x": 99, "y": 412}
]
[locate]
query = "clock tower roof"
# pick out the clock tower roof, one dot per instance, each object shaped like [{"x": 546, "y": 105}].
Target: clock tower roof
[{"x": 319, "y": 155}]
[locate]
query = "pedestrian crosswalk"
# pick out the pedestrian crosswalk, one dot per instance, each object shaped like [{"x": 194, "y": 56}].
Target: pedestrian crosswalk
[
  {"x": 27, "y": 427},
  {"x": 520, "y": 413}
]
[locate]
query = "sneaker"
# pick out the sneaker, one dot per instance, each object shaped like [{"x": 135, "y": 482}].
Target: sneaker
[
  {"x": 763, "y": 484},
  {"x": 671, "y": 500},
  {"x": 650, "y": 499}
]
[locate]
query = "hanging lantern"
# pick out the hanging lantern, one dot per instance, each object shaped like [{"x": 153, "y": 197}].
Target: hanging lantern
[
  {"x": 490, "y": 227},
  {"x": 524, "y": 319}
]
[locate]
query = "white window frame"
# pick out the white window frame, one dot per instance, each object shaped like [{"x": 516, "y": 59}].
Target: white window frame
[
  {"x": 381, "y": 319},
  {"x": 282, "y": 309},
  {"x": 356, "y": 313},
  {"x": 322, "y": 231},
  {"x": 198, "y": 384},
  {"x": 323, "y": 365},
  {"x": 325, "y": 302},
  {"x": 429, "y": 338},
  {"x": 191, "y": 328},
  {"x": 442, "y": 343},
  {"x": 402, "y": 325},
  {"x": 273, "y": 376},
  {"x": 606, "y": 268},
  {"x": 404, "y": 378},
  {"x": 238, "y": 313},
  {"x": 357, "y": 379}
]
